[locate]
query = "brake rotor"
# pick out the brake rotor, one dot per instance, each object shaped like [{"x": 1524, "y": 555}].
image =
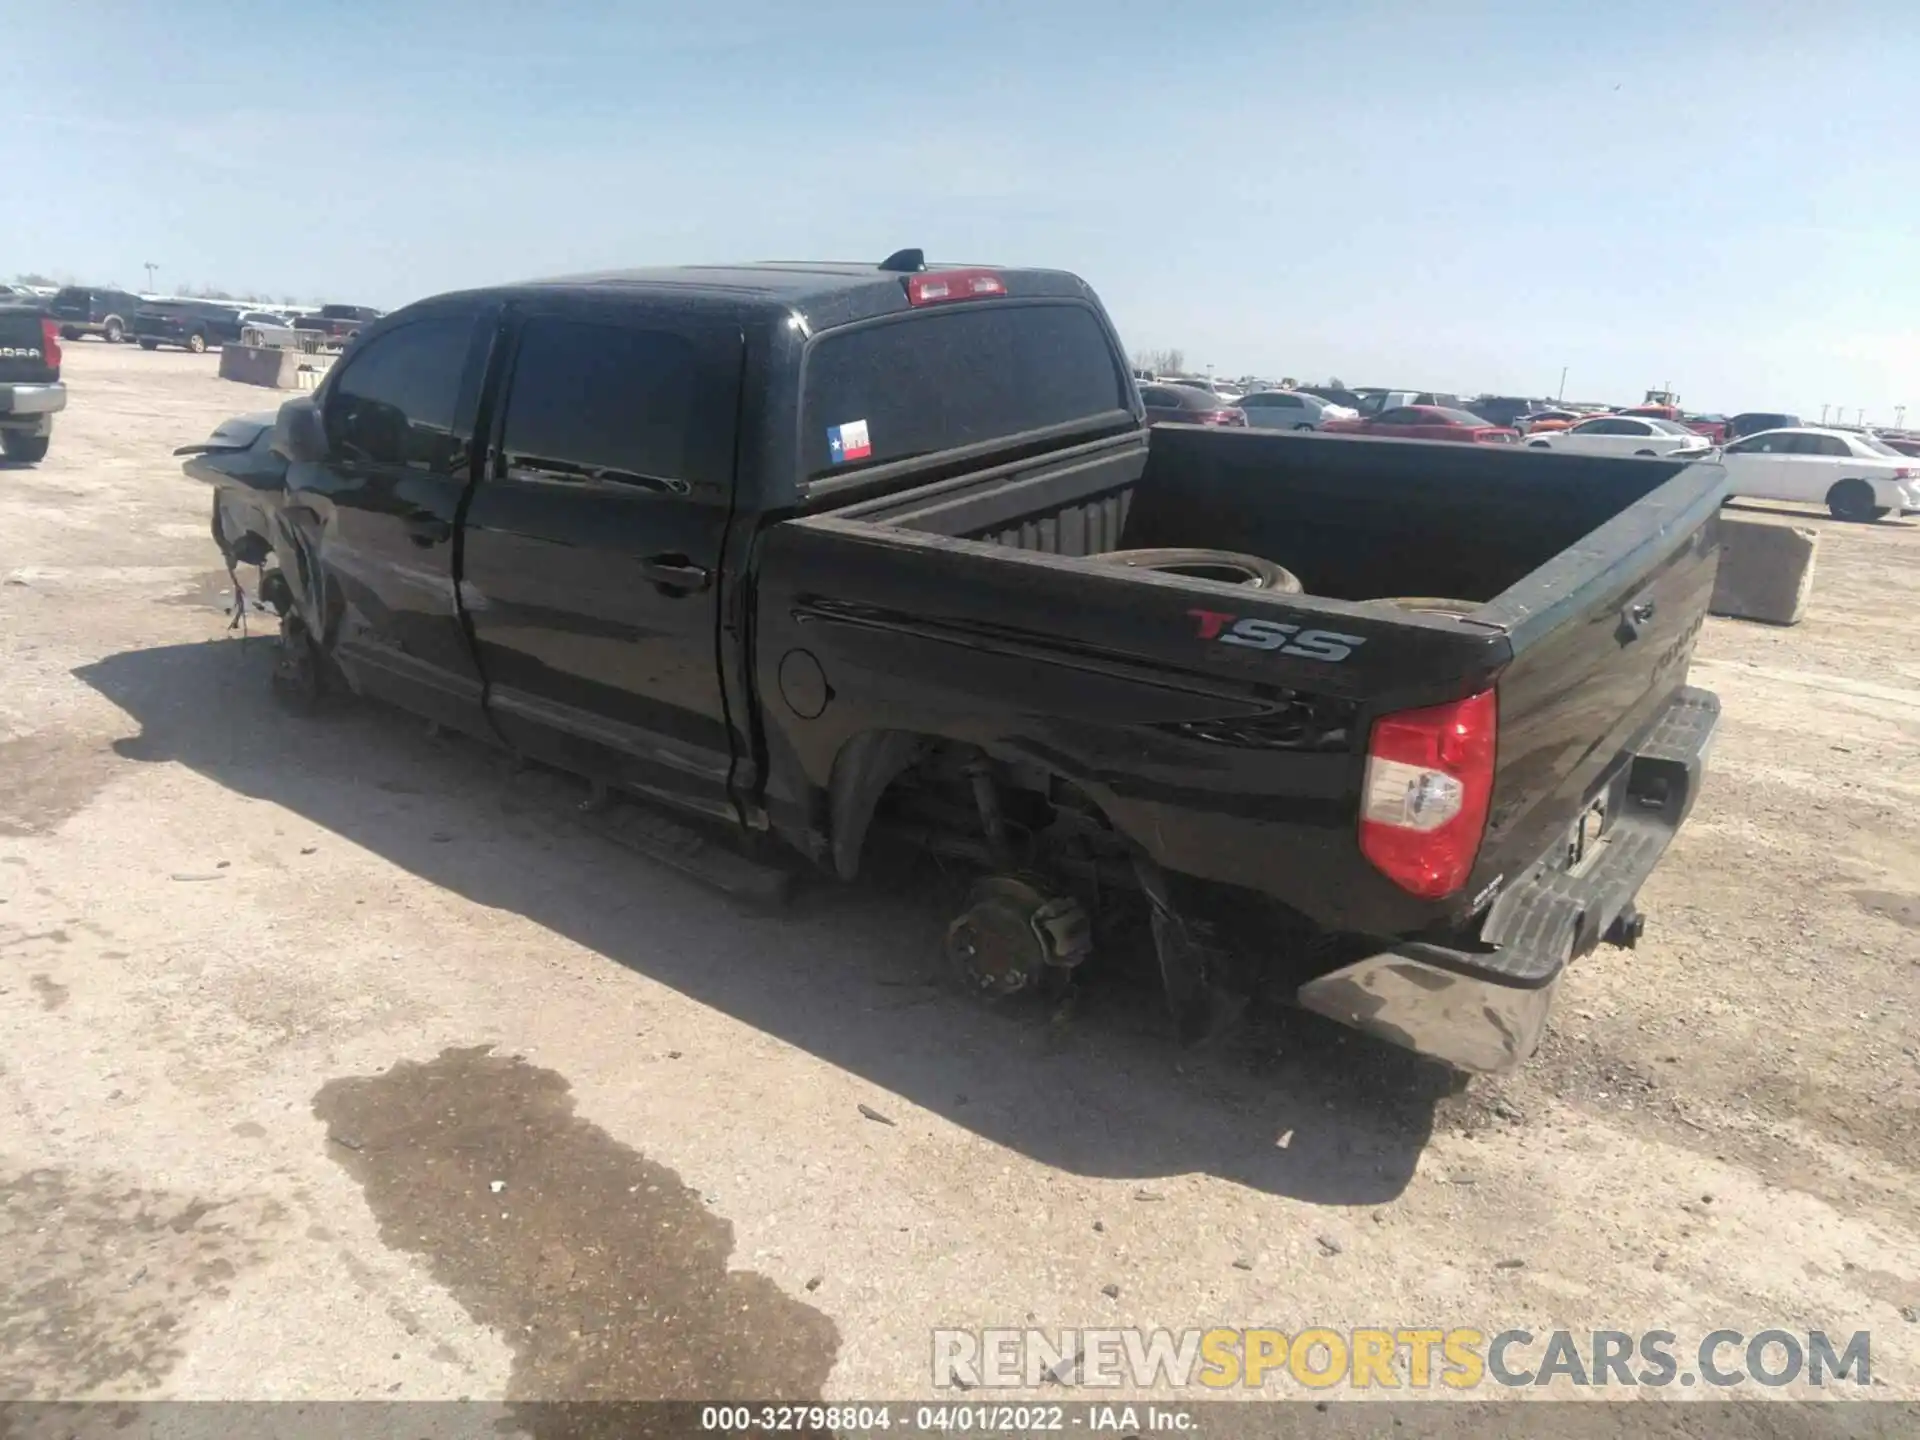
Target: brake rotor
[{"x": 1011, "y": 933}]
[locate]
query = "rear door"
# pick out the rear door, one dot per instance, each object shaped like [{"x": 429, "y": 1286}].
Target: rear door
[
  {"x": 592, "y": 548},
  {"x": 1816, "y": 463},
  {"x": 398, "y": 417}
]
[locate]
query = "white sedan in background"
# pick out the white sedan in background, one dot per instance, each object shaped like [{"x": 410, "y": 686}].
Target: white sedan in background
[
  {"x": 1291, "y": 410},
  {"x": 1626, "y": 435},
  {"x": 1855, "y": 476}
]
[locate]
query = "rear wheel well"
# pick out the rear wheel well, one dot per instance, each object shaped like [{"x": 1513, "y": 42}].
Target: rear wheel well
[{"x": 930, "y": 789}]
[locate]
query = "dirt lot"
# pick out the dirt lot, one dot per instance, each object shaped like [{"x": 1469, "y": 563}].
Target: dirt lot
[{"x": 340, "y": 1062}]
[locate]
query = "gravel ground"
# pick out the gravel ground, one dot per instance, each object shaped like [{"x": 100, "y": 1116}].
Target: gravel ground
[{"x": 341, "y": 1062}]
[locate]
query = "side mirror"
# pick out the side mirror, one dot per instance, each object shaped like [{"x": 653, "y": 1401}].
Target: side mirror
[{"x": 299, "y": 435}]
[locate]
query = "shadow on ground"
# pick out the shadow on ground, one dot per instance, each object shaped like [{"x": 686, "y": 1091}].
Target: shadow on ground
[{"x": 1289, "y": 1104}]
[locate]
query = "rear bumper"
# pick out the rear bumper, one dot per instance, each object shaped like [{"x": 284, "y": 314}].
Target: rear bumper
[
  {"x": 41, "y": 399},
  {"x": 1483, "y": 1006}
]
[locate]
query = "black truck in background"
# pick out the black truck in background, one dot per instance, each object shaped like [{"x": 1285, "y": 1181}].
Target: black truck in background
[
  {"x": 81, "y": 310},
  {"x": 836, "y": 556},
  {"x": 31, "y": 391}
]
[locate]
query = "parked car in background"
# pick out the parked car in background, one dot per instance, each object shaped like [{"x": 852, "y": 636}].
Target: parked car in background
[
  {"x": 1291, "y": 410},
  {"x": 1186, "y": 405},
  {"x": 1752, "y": 422},
  {"x": 1855, "y": 476},
  {"x": 1904, "y": 444},
  {"x": 86, "y": 310},
  {"x": 196, "y": 325},
  {"x": 1713, "y": 427},
  {"x": 31, "y": 392},
  {"x": 1513, "y": 411},
  {"x": 337, "y": 324},
  {"x": 1625, "y": 435},
  {"x": 1337, "y": 394},
  {"x": 1550, "y": 421},
  {"x": 1377, "y": 402},
  {"x": 271, "y": 328},
  {"x": 1426, "y": 422}
]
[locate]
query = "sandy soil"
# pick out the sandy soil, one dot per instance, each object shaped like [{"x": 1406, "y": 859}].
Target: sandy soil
[{"x": 254, "y": 1142}]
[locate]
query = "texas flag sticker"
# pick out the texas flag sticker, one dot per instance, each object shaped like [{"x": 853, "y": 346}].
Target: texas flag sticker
[{"x": 848, "y": 442}]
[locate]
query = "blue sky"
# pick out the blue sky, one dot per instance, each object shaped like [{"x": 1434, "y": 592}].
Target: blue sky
[{"x": 1461, "y": 196}]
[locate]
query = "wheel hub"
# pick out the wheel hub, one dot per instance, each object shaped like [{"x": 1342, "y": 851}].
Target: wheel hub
[{"x": 1011, "y": 933}]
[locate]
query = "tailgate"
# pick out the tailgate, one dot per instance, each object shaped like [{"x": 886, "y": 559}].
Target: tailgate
[
  {"x": 1602, "y": 638},
  {"x": 23, "y": 358}
]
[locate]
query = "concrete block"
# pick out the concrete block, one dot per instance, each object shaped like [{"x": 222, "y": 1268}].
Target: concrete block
[
  {"x": 1766, "y": 571},
  {"x": 260, "y": 365}
]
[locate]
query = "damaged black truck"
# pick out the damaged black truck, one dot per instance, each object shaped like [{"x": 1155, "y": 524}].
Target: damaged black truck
[{"x": 834, "y": 556}]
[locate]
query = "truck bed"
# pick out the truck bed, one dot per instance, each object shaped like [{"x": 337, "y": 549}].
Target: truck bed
[{"x": 915, "y": 604}]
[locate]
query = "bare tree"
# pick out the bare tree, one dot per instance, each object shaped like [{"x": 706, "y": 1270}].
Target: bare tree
[
  {"x": 1160, "y": 362},
  {"x": 34, "y": 277}
]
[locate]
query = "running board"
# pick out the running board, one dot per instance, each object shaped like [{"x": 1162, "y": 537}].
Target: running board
[
  {"x": 635, "y": 825},
  {"x": 680, "y": 847}
]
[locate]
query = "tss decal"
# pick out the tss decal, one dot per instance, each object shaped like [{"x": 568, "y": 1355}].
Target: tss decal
[{"x": 1253, "y": 634}]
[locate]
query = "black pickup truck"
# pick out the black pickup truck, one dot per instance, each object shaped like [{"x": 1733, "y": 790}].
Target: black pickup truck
[
  {"x": 31, "y": 392},
  {"x": 842, "y": 555}
]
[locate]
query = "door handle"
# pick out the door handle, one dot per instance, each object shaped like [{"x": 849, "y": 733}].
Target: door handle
[
  {"x": 676, "y": 573},
  {"x": 427, "y": 530}
]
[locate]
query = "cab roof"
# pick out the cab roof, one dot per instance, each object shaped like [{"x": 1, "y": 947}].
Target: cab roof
[{"x": 826, "y": 291}]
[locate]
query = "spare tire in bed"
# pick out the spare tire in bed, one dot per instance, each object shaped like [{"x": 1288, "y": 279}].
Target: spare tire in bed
[{"x": 1235, "y": 569}]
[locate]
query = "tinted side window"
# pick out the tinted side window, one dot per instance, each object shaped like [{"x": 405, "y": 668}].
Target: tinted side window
[
  {"x": 940, "y": 379},
  {"x": 1401, "y": 416},
  {"x": 607, "y": 402},
  {"x": 394, "y": 402},
  {"x": 1826, "y": 445},
  {"x": 1157, "y": 397}
]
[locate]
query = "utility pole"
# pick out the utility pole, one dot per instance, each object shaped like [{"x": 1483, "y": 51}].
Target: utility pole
[
  {"x": 1561, "y": 394},
  {"x": 1899, "y": 417},
  {"x": 1823, "y": 414},
  {"x": 150, "y": 268}
]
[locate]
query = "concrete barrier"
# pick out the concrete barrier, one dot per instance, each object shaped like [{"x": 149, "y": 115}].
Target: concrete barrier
[
  {"x": 1766, "y": 571},
  {"x": 260, "y": 365}
]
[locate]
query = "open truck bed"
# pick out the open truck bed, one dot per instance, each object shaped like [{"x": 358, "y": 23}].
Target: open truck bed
[{"x": 1226, "y": 733}]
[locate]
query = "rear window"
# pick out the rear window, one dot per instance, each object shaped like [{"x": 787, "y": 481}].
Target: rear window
[
  {"x": 1452, "y": 417},
  {"x": 943, "y": 379}
]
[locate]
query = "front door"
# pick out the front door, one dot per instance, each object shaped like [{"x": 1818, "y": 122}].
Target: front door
[
  {"x": 398, "y": 421},
  {"x": 592, "y": 548}
]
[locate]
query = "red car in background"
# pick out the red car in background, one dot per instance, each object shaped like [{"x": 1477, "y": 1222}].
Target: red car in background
[
  {"x": 1425, "y": 422},
  {"x": 1905, "y": 444}
]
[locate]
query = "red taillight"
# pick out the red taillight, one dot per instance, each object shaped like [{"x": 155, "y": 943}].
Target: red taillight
[
  {"x": 1903, "y": 473},
  {"x": 50, "y": 342},
  {"x": 940, "y": 286},
  {"x": 1429, "y": 781},
  {"x": 1228, "y": 416}
]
